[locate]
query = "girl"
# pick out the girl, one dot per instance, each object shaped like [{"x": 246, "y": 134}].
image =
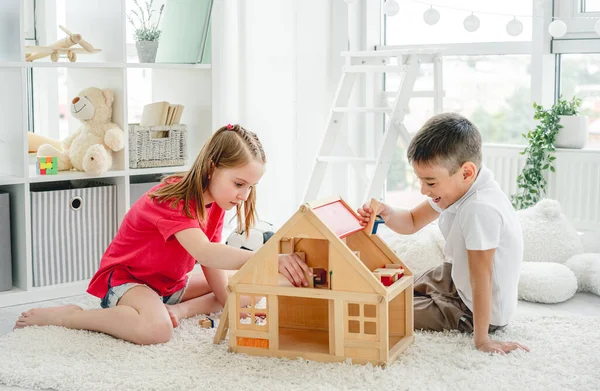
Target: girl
[{"x": 143, "y": 278}]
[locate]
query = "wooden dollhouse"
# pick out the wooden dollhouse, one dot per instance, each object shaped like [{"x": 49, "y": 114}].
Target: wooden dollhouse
[{"x": 349, "y": 309}]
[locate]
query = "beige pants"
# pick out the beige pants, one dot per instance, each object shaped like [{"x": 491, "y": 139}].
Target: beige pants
[{"x": 437, "y": 303}]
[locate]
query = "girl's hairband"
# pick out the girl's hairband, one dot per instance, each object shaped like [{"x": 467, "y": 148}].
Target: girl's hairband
[{"x": 229, "y": 127}]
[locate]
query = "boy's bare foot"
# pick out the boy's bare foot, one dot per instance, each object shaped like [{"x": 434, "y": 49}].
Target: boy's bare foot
[
  {"x": 173, "y": 314},
  {"x": 51, "y": 316}
]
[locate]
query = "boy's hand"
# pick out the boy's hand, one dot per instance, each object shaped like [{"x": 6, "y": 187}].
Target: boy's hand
[
  {"x": 502, "y": 347},
  {"x": 294, "y": 269},
  {"x": 365, "y": 213}
]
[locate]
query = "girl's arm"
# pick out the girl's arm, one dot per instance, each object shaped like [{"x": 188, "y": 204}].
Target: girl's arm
[
  {"x": 217, "y": 281},
  {"x": 221, "y": 256},
  {"x": 215, "y": 255}
]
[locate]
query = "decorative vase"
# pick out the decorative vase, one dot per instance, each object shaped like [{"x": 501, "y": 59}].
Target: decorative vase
[
  {"x": 574, "y": 133},
  {"x": 146, "y": 50}
]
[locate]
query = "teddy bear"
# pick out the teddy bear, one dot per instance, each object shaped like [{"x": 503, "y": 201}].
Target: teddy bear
[{"x": 90, "y": 148}]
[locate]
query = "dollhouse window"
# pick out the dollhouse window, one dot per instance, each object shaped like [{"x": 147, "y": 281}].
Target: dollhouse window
[
  {"x": 361, "y": 318},
  {"x": 252, "y": 311}
]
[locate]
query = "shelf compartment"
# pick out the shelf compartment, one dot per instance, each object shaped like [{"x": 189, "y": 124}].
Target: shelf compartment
[
  {"x": 188, "y": 87},
  {"x": 84, "y": 17},
  {"x": 54, "y": 90}
]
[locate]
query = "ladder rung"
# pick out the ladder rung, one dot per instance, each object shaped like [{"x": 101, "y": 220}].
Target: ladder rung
[
  {"x": 362, "y": 109},
  {"x": 345, "y": 159},
  {"x": 375, "y": 68}
]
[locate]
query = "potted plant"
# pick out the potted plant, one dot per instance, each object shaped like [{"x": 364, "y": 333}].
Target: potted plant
[
  {"x": 574, "y": 131},
  {"x": 541, "y": 145},
  {"x": 146, "y": 32}
]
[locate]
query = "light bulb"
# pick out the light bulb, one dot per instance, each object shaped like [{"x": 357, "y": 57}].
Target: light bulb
[
  {"x": 471, "y": 23},
  {"x": 514, "y": 27},
  {"x": 391, "y": 7},
  {"x": 557, "y": 29},
  {"x": 431, "y": 16}
]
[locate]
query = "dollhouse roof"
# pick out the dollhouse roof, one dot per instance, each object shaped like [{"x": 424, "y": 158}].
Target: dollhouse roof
[{"x": 331, "y": 221}]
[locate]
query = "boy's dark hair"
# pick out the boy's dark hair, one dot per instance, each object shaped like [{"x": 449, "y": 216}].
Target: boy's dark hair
[{"x": 448, "y": 139}]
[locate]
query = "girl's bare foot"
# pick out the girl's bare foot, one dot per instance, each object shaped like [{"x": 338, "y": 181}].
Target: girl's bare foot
[
  {"x": 51, "y": 316},
  {"x": 173, "y": 314}
]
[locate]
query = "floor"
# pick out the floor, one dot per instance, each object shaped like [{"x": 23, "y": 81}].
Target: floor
[{"x": 582, "y": 304}]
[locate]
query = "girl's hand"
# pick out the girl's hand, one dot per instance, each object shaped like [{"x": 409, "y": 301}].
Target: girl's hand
[
  {"x": 294, "y": 269},
  {"x": 502, "y": 347}
]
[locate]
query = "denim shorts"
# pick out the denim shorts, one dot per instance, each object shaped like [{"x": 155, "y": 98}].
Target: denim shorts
[{"x": 114, "y": 294}]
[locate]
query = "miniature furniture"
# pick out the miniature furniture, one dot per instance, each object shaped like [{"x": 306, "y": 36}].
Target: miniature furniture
[{"x": 347, "y": 313}]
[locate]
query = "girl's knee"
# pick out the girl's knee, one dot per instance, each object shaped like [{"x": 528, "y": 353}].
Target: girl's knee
[{"x": 155, "y": 332}]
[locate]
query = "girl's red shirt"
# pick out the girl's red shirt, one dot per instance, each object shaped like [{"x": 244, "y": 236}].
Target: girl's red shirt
[{"x": 146, "y": 251}]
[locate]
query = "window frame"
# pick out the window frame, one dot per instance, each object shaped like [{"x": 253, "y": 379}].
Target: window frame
[{"x": 580, "y": 25}]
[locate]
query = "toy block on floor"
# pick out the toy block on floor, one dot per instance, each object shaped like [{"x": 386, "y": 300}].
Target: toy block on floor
[
  {"x": 46, "y": 165},
  {"x": 206, "y": 323}
]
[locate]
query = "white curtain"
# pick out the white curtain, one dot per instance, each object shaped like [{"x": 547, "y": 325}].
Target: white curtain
[{"x": 276, "y": 64}]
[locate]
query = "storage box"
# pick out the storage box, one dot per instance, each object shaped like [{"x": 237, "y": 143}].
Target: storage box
[
  {"x": 157, "y": 146},
  {"x": 72, "y": 225},
  {"x": 5, "y": 247}
]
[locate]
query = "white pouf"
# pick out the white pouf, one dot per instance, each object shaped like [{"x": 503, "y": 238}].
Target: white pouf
[
  {"x": 546, "y": 282},
  {"x": 548, "y": 236},
  {"x": 587, "y": 270},
  {"x": 590, "y": 241}
]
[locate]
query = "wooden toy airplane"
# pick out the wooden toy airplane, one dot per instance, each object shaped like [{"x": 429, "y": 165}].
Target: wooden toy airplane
[{"x": 60, "y": 48}]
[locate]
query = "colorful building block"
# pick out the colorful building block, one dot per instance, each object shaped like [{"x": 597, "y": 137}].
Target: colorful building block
[{"x": 46, "y": 165}]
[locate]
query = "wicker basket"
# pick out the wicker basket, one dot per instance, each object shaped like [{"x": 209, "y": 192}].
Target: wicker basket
[{"x": 157, "y": 146}]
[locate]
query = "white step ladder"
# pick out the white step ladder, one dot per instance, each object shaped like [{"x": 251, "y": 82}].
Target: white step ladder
[{"x": 405, "y": 63}]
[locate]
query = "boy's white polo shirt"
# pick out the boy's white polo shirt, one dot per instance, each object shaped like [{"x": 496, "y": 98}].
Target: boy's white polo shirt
[{"x": 484, "y": 219}]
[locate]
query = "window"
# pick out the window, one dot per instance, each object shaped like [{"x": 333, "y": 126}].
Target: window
[
  {"x": 29, "y": 21},
  {"x": 590, "y": 5},
  {"x": 252, "y": 312},
  {"x": 580, "y": 76},
  {"x": 362, "y": 319},
  {"x": 487, "y": 75},
  {"x": 409, "y": 28},
  {"x": 493, "y": 91},
  {"x": 580, "y": 17}
]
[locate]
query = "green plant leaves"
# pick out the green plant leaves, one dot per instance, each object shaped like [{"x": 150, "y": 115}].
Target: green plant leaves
[{"x": 531, "y": 183}]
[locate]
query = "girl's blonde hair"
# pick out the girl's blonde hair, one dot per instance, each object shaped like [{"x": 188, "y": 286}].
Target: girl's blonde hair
[{"x": 230, "y": 146}]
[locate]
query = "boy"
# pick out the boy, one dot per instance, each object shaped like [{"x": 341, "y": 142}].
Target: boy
[{"x": 477, "y": 292}]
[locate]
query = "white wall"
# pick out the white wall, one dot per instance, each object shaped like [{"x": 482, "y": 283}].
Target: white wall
[{"x": 276, "y": 65}]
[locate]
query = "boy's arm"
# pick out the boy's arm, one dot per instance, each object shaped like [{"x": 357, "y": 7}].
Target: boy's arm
[
  {"x": 403, "y": 221},
  {"x": 480, "y": 272}
]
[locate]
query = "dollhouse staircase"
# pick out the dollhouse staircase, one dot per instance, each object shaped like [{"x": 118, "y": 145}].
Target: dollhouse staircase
[{"x": 405, "y": 63}]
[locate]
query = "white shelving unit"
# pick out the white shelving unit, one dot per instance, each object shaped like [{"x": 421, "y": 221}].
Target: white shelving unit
[{"x": 186, "y": 84}]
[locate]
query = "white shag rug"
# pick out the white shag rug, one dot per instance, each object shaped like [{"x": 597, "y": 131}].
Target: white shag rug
[{"x": 564, "y": 355}]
